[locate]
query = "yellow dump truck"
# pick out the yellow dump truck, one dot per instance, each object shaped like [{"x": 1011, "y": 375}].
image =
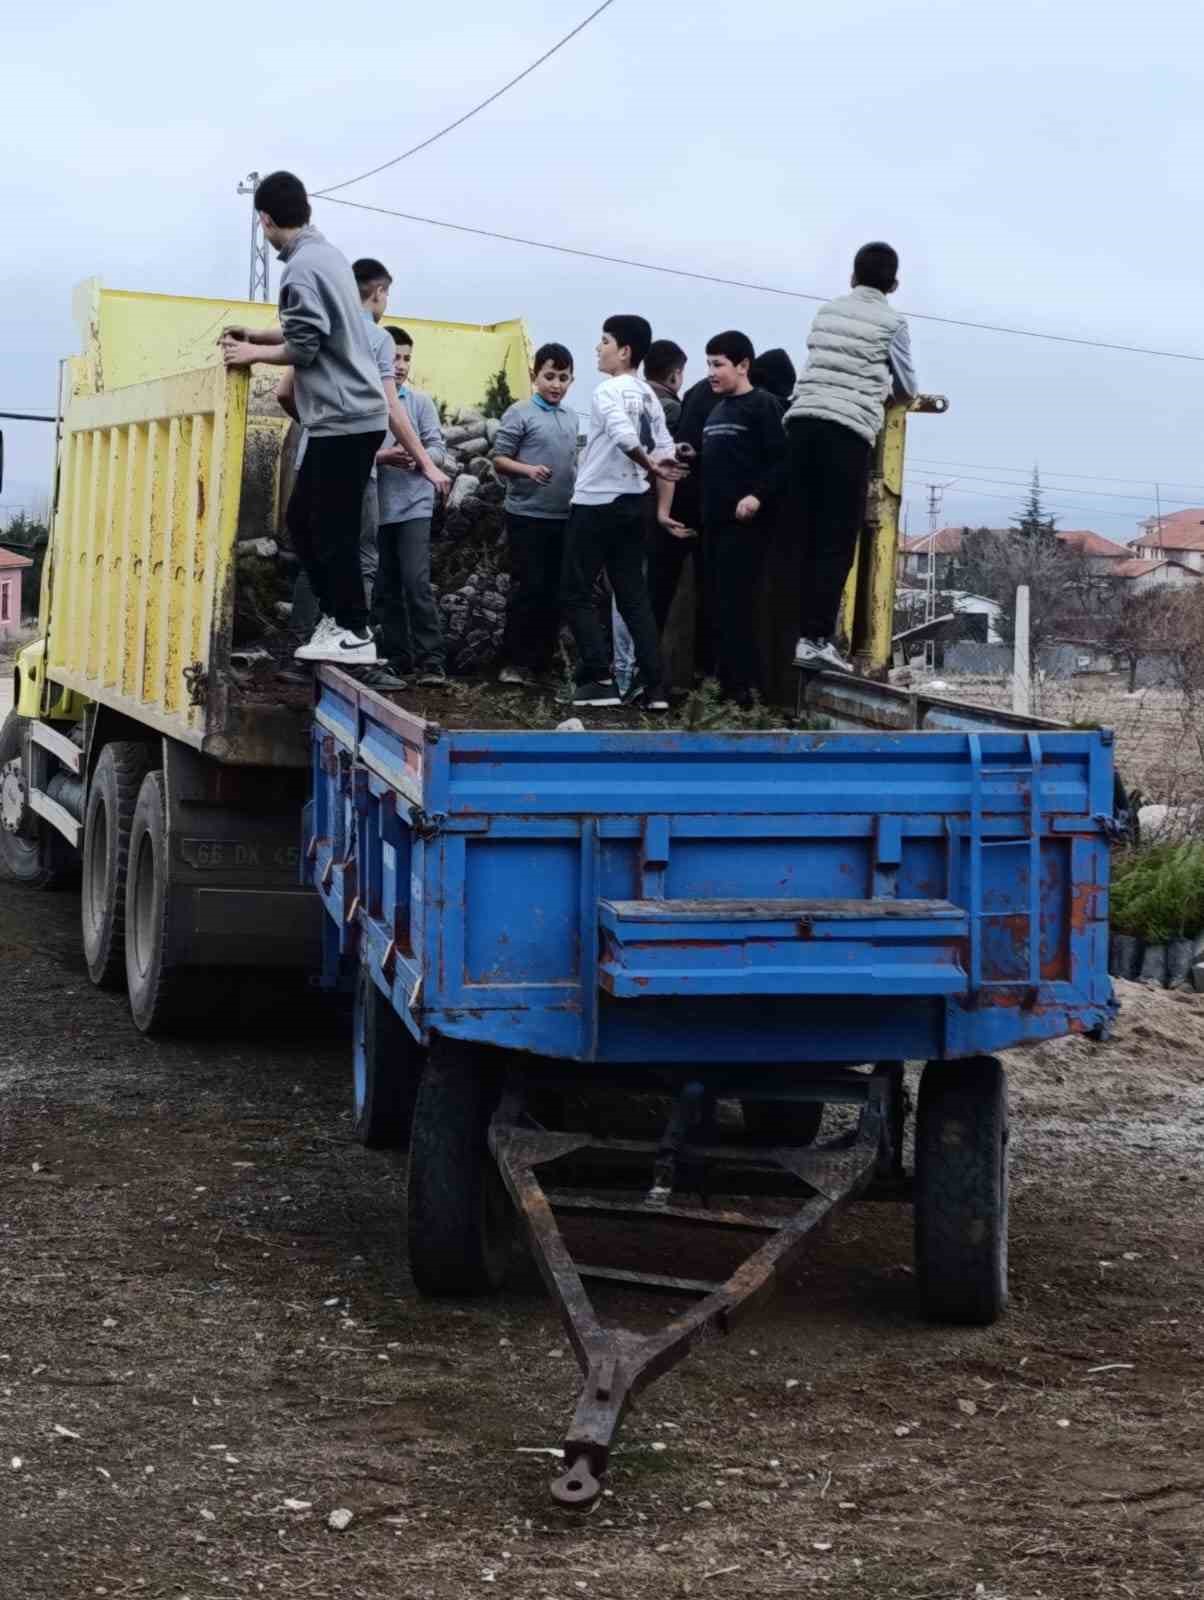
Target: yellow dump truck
[{"x": 136, "y": 758}]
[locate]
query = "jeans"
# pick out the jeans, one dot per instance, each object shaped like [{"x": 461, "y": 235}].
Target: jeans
[
  {"x": 610, "y": 536},
  {"x": 623, "y": 651},
  {"x": 829, "y": 468},
  {"x": 411, "y": 631},
  {"x": 369, "y": 533},
  {"x": 323, "y": 517},
  {"x": 533, "y": 608}
]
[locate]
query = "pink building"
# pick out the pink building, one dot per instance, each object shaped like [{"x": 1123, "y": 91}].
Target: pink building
[{"x": 12, "y": 567}]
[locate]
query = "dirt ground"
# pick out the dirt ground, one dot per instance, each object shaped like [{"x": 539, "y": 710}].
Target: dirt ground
[{"x": 209, "y": 1342}]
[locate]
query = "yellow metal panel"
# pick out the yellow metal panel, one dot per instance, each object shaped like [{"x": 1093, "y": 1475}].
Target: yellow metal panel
[
  {"x": 144, "y": 544},
  {"x": 131, "y": 338}
]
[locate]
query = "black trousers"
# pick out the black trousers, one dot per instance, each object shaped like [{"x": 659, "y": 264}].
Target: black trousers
[
  {"x": 736, "y": 553},
  {"x": 610, "y": 536},
  {"x": 829, "y": 477},
  {"x": 667, "y": 559},
  {"x": 411, "y": 626},
  {"x": 323, "y": 519},
  {"x": 533, "y": 607}
]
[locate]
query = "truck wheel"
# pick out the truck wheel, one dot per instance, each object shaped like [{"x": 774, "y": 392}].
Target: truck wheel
[
  {"x": 961, "y": 1217},
  {"x": 108, "y": 818},
  {"x": 386, "y": 1066},
  {"x": 163, "y": 999},
  {"x": 782, "y": 1122},
  {"x": 460, "y": 1220},
  {"x": 31, "y": 852}
]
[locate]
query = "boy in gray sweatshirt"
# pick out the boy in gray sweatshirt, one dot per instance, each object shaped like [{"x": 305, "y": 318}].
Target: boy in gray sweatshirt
[
  {"x": 341, "y": 404},
  {"x": 536, "y": 452}
]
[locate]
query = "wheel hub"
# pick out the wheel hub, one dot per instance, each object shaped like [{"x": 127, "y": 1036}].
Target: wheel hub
[{"x": 14, "y": 814}]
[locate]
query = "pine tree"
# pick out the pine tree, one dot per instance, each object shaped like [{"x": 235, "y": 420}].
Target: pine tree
[
  {"x": 498, "y": 398},
  {"x": 1032, "y": 522}
]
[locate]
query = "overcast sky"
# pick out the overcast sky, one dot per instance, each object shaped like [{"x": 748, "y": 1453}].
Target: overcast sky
[{"x": 1035, "y": 164}]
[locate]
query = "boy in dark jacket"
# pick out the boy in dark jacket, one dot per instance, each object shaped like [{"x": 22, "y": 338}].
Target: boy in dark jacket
[{"x": 743, "y": 476}]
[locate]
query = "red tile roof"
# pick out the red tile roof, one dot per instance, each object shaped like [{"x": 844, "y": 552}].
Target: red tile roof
[
  {"x": 1094, "y": 544},
  {"x": 1138, "y": 566},
  {"x": 1180, "y": 530},
  {"x": 10, "y": 558}
]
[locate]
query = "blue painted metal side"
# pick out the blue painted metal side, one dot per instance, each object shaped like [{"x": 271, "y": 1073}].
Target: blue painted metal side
[{"x": 723, "y": 898}]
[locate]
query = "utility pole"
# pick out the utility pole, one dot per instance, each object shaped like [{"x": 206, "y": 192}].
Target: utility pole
[
  {"x": 936, "y": 498},
  {"x": 258, "y": 280}
]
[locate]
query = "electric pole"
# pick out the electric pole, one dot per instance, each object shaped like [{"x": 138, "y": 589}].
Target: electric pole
[
  {"x": 258, "y": 280},
  {"x": 936, "y": 498}
]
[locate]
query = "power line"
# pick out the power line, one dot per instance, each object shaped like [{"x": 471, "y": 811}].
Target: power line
[
  {"x": 743, "y": 283},
  {"x": 1063, "y": 488},
  {"x": 1062, "y": 508},
  {"x": 26, "y": 416},
  {"x": 1058, "y": 472},
  {"x": 460, "y": 121}
]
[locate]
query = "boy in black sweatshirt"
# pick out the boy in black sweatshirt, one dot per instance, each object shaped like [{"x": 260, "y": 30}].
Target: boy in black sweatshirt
[{"x": 743, "y": 476}]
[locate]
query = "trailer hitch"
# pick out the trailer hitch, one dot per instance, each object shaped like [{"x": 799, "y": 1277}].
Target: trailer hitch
[{"x": 617, "y": 1363}]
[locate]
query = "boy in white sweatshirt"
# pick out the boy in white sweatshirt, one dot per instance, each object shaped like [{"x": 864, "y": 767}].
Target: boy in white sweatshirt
[{"x": 628, "y": 444}]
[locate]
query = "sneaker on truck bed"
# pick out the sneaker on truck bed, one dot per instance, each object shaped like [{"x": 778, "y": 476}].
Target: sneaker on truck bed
[
  {"x": 381, "y": 677},
  {"x": 325, "y": 627},
  {"x": 432, "y": 678},
  {"x": 513, "y": 675},
  {"x": 343, "y": 647},
  {"x": 651, "y": 698},
  {"x": 597, "y": 694},
  {"x": 821, "y": 655}
]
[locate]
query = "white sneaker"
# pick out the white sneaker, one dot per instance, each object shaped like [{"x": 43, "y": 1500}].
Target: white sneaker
[
  {"x": 344, "y": 648},
  {"x": 819, "y": 655},
  {"x": 325, "y": 627}
]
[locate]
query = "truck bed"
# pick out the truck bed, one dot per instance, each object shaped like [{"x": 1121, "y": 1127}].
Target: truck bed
[{"x": 834, "y": 896}]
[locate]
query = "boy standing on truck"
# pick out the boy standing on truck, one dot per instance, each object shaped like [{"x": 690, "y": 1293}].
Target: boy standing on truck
[
  {"x": 628, "y": 445},
  {"x": 411, "y": 628},
  {"x": 743, "y": 476},
  {"x": 341, "y": 404},
  {"x": 858, "y": 350},
  {"x": 536, "y": 452}
]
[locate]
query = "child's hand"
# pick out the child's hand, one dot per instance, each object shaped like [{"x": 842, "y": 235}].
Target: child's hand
[
  {"x": 440, "y": 480},
  {"x": 747, "y": 508},
  {"x": 235, "y": 353},
  {"x": 395, "y": 455},
  {"x": 540, "y": 474},
  {"x": 677, "y": 529},
  {"x": 670, "y": 471},
  {"x": 239, "y": 335}
]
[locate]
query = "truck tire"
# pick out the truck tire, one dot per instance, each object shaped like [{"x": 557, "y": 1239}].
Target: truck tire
[
  {"x": 31, "y": 852},
  {"x": 784, "y": 1122},
  {"x": 386, "y": 1067},
  {"x": 108, "y": 818},
  {"x": 460, "y": 1220},
  {"x": 163, "y": 998},
  {"x": 961, "y": 1191}
]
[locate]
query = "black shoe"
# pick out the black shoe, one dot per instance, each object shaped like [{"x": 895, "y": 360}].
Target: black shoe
[
  {"x": 381, "y": 676},
  {"x": 599, "y": 692},
  {"x": 432, "y": 678},
  {"x": 639, "y": 694}
]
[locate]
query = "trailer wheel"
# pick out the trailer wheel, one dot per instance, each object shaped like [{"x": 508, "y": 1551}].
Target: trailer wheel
[
  {"x": 784, "y": 1122},
  {"x": 163, "y": 998},
  {"x": 31, "y": 851},
  {"x": 460, "y": 1220},
  {"x": 386, "y": 1065},
  {"x": 961, "y": 1216},
  {"x": 112, "y": 796}
]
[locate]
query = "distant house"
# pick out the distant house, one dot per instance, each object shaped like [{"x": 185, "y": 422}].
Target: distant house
[
  {"x": 1177, "y": 537},
  {"x": 12, "y": 567},
  {"x": 1158, "y": 573},
  {"x": 1104, "y": 557}
]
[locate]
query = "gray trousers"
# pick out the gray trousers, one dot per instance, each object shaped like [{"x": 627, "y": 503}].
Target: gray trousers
[
  {"x": 369, "y": 534},
  {"x": 411, "y": 627}
]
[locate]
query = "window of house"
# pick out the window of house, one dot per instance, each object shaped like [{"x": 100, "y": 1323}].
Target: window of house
[{"x": 5, "y": 601}]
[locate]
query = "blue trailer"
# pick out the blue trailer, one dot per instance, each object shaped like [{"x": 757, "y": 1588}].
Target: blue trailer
[{"x": 772, "y": 920}]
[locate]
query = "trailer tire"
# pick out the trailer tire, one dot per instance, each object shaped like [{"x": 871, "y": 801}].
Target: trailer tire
[
  {"x": 35, "y": 856},
  {"x": 163, "y": 998},
  {"x": 460, "y": 1221},
  {"x": 108, "y": 818},
  {"x": 961, "y": 1194},
  {"x": 784, "y": 1122},
  {"x": 386, "y": 1067}
]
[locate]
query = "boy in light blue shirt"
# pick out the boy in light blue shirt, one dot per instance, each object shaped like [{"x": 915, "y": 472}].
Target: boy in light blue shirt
[{"x": 411, "y": 628}]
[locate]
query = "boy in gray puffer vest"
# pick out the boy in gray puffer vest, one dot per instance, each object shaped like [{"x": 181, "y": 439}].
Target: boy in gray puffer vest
[{"x": 858, "y": 353}]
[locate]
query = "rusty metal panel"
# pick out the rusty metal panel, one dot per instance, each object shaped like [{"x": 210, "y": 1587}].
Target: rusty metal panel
[{"x": 143, "y": 549}]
